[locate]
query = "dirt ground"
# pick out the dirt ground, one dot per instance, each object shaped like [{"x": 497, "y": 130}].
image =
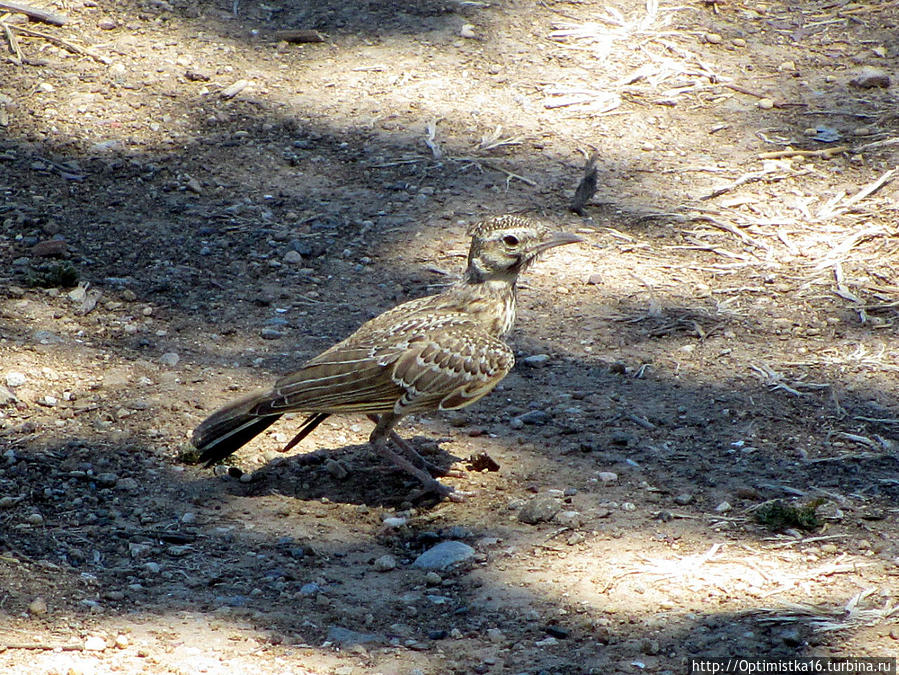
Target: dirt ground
[{"x": 705, "y": 449}]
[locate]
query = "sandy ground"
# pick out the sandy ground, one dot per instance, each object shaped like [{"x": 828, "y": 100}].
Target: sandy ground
[{"x": 193, "y": 204}]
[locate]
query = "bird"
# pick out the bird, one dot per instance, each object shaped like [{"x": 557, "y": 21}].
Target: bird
[{"x": 438, "y": 352}]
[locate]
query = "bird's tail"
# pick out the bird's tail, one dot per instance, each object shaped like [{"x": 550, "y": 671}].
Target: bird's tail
[{"x": 229, "y": 428}]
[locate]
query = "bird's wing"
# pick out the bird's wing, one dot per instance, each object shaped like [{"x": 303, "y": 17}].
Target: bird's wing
[
  {"x": 345, "y": 378},
  {"x": 418, "y": 364},
  {"x": 450, "y": 368}
]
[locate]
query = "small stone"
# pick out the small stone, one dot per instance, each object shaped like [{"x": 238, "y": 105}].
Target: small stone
[
  {"x": 385, "y": 563},
  {"x": 869, "y": 78},
  {"x": 50, "y": 248},
  {"x": 575, "y": 539},
  {"x": 107, "y": 480},
  {"x": 336, "y": 469},
  {"x": 94, "y": 643},
  {"x": 309, "y": 589},
  {"x": 516, "y": 423},
  {"x": 739, "y": 42},
  {"x": 468, "y": 31},
  {"x": 539, "y": 510},
  {"x": 189, "y": 518},
  {"x": 37, "y": 607},
  {"x": 169, "y": 359},
  {"x": 495, "y": 635},
  {"x": 683, "y": 499},
  {"x": 723, "y": 507},
  {"x": 595, "y": 279},
  {"x": 122, "y": 641},
  {"x": 569, "y": 518},
  {"x": 536, "y": 417},
  {"x": 128, "y": 484},
  {"x": 293, "y": 257},
  {"x": 433, "y": 579},
  {"x": 443, "y": 556},
  {"x": 536, "y": 361},
  {"x": 348, "y": 638},
  {"x": 34, "y": 519},
  {"x": 607, "y": 476},
  {"x": 6, "y": 396},
  {"x": 713, "y": 38},
  {"x": 107, "y": 24},
  {"x": 765, "y": 103},
  {"x": 15, "y": 379},
  {"x": 269, "y": 333},
  {"x": 394, "y": 521}
]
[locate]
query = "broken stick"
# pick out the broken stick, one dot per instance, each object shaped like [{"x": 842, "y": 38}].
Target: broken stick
[{"x": 35, "y": 13}]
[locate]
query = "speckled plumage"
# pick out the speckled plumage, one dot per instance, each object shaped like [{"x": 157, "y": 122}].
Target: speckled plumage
[{"x": 440, "y": 352}]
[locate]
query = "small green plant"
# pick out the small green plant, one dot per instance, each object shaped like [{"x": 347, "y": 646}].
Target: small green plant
[
  {"x": 54, "y": 275},
  {"x": 777, "y": 516}
]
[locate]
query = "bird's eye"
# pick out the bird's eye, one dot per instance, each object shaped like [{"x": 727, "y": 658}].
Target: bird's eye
[{"x": 510, "y": 240}]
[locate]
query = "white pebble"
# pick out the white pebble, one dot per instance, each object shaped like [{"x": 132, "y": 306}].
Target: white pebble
[
  {"x": 15, "y": 379},
  {"x": 607, "y": 476}
]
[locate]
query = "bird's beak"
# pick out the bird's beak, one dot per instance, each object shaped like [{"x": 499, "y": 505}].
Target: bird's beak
[{"x": 556, "y": 239}]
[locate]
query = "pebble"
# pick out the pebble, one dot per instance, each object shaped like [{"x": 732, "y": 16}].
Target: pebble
[
  {"x": 6, "y": 396},
  {"x": 309, "y": 589},
  {"x": 34, "y": 519},
  {"x": 189, "y": 518},
  {"x": 122, "y": 641},
  {"x": 15, "y": 379},
  {"x": 569, "y": 518},
  {"x": 765, "y": 103},
  {"x": 723, "y": 507},
  {"x": 107, "y": 24},
  {"x": 169, "y": 359},
  {"x": 683, "y": 499},
  {"x": 269, "y": 333},
  {"x": 536, "y": 360},
  {"x": 607, "y": 476},
  {"x": 443, "y": 556},
  {"x": 869, "y": 78},
  {"x": 713, "y": 38},
  {"x": 336, "y": 469},
  {"x": 536, "y": 417},
  {"x": 94, "y": 643},
  {"x": 595, "y": 279},
  {"x": 433, "y": 579},
  {"x": 467, "y": 31},
  {"x": 394, "y": 521},
  {"x": 348, "y": 638},
  {"x": 107, "y": 480},
  {"x": 539, "y": 510},
  {"x": 293, "y": 257},
  {"x": 37, "y": 607},
  {"x": 495, "y": 635},
  {"x": 385, "y": 563},
  {"x": 128, "y": 484}
]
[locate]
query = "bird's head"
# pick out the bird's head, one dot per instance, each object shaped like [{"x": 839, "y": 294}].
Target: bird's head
[{"x": 504, "y": 246}]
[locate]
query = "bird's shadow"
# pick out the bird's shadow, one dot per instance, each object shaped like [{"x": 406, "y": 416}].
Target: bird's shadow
[{"x": 351, "y": 474}]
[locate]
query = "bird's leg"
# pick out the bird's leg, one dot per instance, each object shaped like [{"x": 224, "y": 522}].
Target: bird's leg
[
  {"x": 378, "y": 440},
  {"x": 410, "y": 452}
]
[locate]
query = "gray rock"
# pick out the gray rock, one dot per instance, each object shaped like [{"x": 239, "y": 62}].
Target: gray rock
[
  {"x": 349, "y": 638},
  {"x": 539, "y": 510},
  {"x": 293, "y": 257},
  {"x": 536, "y": 361},
  {"x": 385, "y": 563},
  {"x": 443, "y": 555},
  {"x": 869, "y": 78},
  {"x": 107, "y": 479},
  {"x": 269, "y": 333},
  {"x": 537, "y": 417},
  {"x": 169, "y": 359},
  {"x": 15, "y": 379},
  {"x": 6, "y": 396},
  {"x": 683, "y": 499}
]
